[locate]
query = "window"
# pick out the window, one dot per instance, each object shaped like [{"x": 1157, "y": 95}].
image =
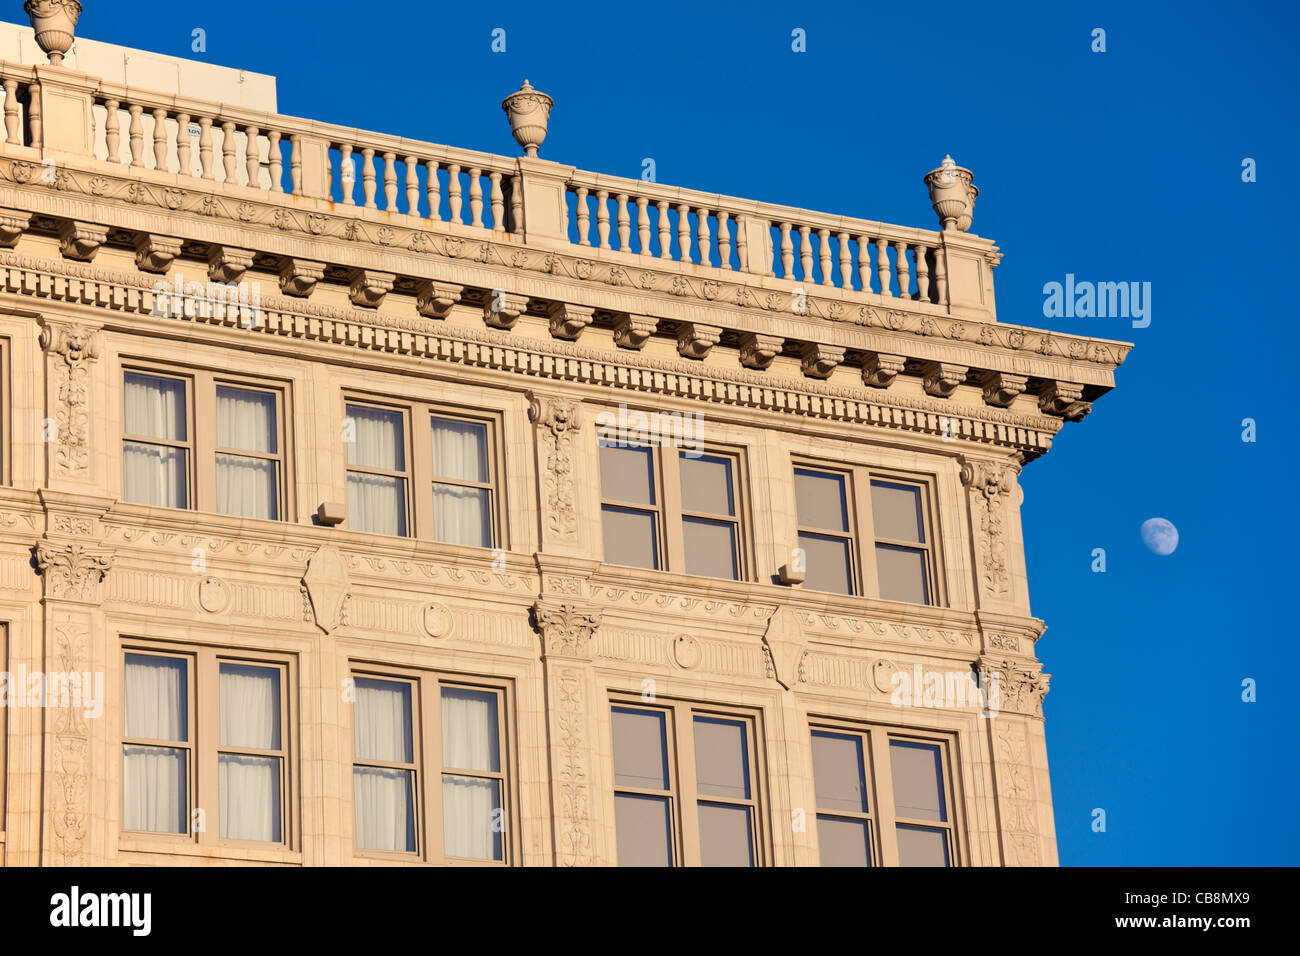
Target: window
[
  {"x": 907, "y": 821},
  {"x": 455, "y": 472},
  {"x": 706, "y": 814},
  {"x": 899, "y": 565},
  {"x": 699, "y": 494},
  {"x": 460, "y": 737},
  {"x": 203, "y": 442},
  {"x": 176, "y": 772}
]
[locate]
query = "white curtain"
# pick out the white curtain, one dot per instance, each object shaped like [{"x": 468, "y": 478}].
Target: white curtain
[
  {"x": 385, "y": 803},
  {"x": 461, "y": 515},
  {"x": 470, "y": 741},
  {"x": 155, "y": 474},
  {"x": 250, "y": 785},
  {"x": 154, "y": 778},
  {"x": 376, "y": 503},
  {"x": 246, "y": 421}
]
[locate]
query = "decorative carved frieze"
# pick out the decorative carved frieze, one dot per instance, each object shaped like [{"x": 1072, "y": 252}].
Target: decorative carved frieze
[
  {"x": 156, "y": 253},
  {"x": 557, "y": 419},
  {"x": 435, "y": 299},
  {"x": 820, "y": 360},
  {"x": 13, "y": 223},
  {"x": 369, "y": 286},
  {"x": 81, "y": 240},
  {"x": 1001, "y": 388},
  {"x": 568, "y": 320},
  {"x": 567, "y": 629},
  {"x": 1063, "y": 398},
  {"x": 228, "y": 264},
  {"x": 298, "y": 277},
  {"x": 74, "y": 346},
  {"x": 990, "y": 484},
  {"x": 632, "y": 331},
  {"x": 758, "y": 351},
  {"x": 72, "y": 571},
  {"x": 879, "y": 370},
  {"x": 695, "y": 340},
  {"x": 502, "y": 310},
  {"x": 941, "y": 379}
]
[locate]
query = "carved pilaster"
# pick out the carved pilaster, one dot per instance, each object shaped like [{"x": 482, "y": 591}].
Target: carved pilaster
[
  {"x": 71, "y": 348},
  {"x": 758, "y": 351},
  {"x": 694, "y": 341},
  {"x": 568, "y": 320},
  {"x": 557, "y": 420},
  {"x": 1017, "y": 799},
  {"x": 990, "y": 484}
]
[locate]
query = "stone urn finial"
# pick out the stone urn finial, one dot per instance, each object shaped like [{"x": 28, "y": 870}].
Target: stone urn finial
[
  {"x": 953, "y": 192},
  {"x": 529, "y": 110},
  {"x": 54, "y": 22}
]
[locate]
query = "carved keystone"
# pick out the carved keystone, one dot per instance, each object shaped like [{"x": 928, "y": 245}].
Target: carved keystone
[
  {"x": 941, "y": 379},
  {"x": 632, "y": 331},
  {"x": 1001, "y": 388},
  {"x": 13, "y": 223},
  {"x": 298, "y": 277},
  {"x": 156, "y": 253},
  {"x": 758, "y": 351},
  {"x": 785, "y": 644},
  {"x": 820, "y": 360},
  {"x": 228, "y": 264},
  {"x": 879, "y": 370},
  {"x": 328, "y": 587},
  {"x": 694, "y": 340},
  {"x": 369, "y": 287},
  {"x": 568, "y": 320},
  {"x": 81, "y": 240},
  {"x": 435, "y": 299},
  {"x": 501, "y": 310}
]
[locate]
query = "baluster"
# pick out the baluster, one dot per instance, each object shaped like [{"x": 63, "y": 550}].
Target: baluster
[
  {"x": 702, "y": 235},
  {"x": 882, "y": 265},
  {"x": 643, "y": 226},
  {"x": 136, "y": 134},
  {"x": 742, "y": 244},
  {"x": 864, "y": 262},
  {"x": 252, "y": 156},
  {"x": 34, "y": 115},
  {"x": 205, "y": 146},
  {"x": 602, "y": 217},
  {"x": 368, "y": 177},
  {"x": 160, "y": 139},
  {"x": 412, "y": 186},
  {"x": 824, "y": 248},
  {"x": 724, "y": 240},
  {"x": 295, "y": 164},
  {"x": 453, "y": 192},
  {"x": 684, "y": 232},
  {"x": 431, "y": 190},
  {"x": 277, "y": 161},
  {"x": 922, "y": 274},
  {"x": 584, "y": 218},
  {"x": 228, "y": 149},
  {"x": 901, "y": 270},
  {"x": 787, "y": 251},
  {"x": 846, "y": 262},
  {"x": 498, "y": 203},
  {"x": 11, "y": 112},
  {"x": 347, "y": 175},
  {"x": 476, "y": 196},
  {"x": 390, "y": 181},
  {"x": 805, "y": 254},
  {"x": 665, "y": 231},
  {"x": 624, "y": 223},
  {"x": 112, "y": 136},
  {"x": 940, "y": 277},
  {"x": 517, "y": 206}
]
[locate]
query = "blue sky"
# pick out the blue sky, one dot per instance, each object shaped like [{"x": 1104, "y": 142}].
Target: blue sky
[{"x": 1115, "y": 166}]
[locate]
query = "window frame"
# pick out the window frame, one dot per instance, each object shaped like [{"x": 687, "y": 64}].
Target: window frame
[
  {"x": 280, "y": 457},
  {"x": 683, "y": 791}
]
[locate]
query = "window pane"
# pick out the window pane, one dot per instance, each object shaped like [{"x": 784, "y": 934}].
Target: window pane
[
  {"x": 710, "y": 548},
  {"x": 721, "y": 757},
  {"x": 839, "y": 772},
  {"x": 843, "y": 842},
  {"x": 826, "y": 561},
  {"x": 383, "y": 720},
  {"x": 155, "y": 475},
  {"x": 250, "y": 797},
  {"x": 631, "y": 537},
  {"x": 469, "y": 730},
  {"x": 460, "y": 450},
  {"x": 377, "y": 503},
  {"x": 627, "y": 474},
  {"x": 706, "y": 485},
  {"x": 250, "y": 707},
  {"x": 921, "y": 846},
  {"x": 462, "y": 515},
  {"x": 377, "y": 440},
  {"x": 644, "y": 830},
  {"x": 248, "y": 487},
  {"x": 246, "y": 419},
  {"x": 156, "y": 698},
  {"x": 640, "y": 749},
  {"x": 385, "y": 809},
  {"x": 896, "y": 511},
  {"x": 901, "y": 573},
  {"x": 822, "y": 499},
  {"x": 471, "y": 818},
  {"x": 917, "y": 770},
  {"x": 725, "y": 836},
  {"x": 155, "y": 407},
  {"x": 154, "y": 785}
]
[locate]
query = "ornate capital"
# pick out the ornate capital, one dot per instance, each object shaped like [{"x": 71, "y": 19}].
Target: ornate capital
[
  {"x": 75, "y": 344},
  {"x": 567, "y": 629},
  {"x": 72, "y": 572},
  {"x": 1019, "y": 688},
  {"x": 989, "y": 478},
  {"x": 560, "y": 415},
  {"x": 758, "y": 351}
]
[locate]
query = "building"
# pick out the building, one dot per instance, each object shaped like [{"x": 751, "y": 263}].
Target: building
[{"x": 373, "y": 501}]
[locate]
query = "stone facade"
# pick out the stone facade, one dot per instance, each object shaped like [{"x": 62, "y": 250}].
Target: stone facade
[{"x": 537, "y": 297}]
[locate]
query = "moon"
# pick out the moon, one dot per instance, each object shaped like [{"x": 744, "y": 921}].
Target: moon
[{"x": 1160, "y": 535}]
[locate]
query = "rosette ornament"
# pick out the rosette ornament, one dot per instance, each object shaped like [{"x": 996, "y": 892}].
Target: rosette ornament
[
  {"x": 953, "y": 192},
  {"x": 54, "y": 22},
  {"x": 528, "y": 110}
]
